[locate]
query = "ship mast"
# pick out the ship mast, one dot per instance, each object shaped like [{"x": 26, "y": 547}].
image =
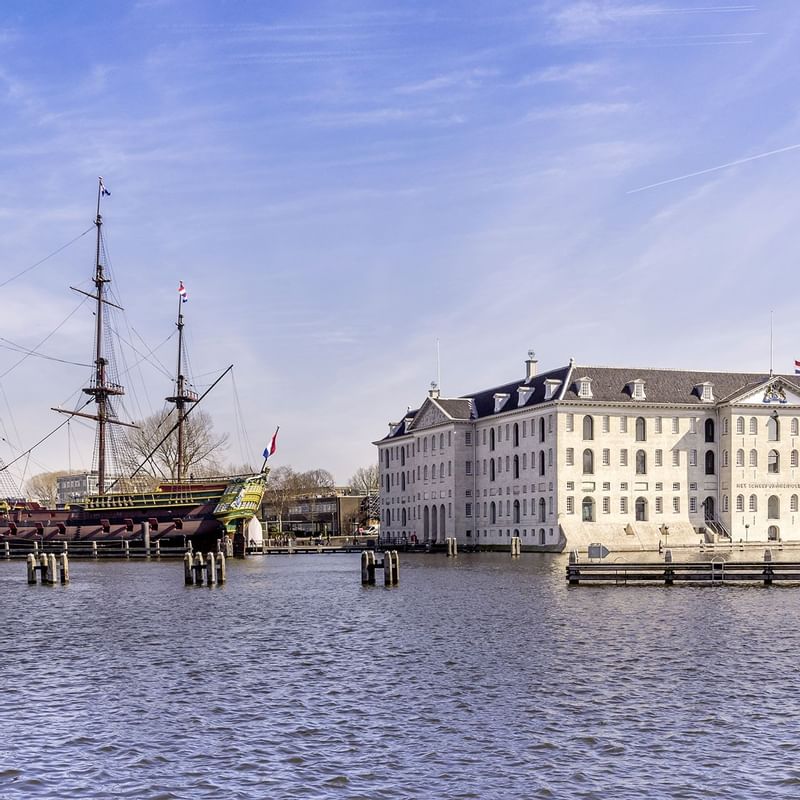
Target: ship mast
[{"x": 182, "y": 396}]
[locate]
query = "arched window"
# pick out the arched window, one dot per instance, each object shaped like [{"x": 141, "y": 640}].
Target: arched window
[
  {"x": 587, "y": 509},
  {"x": 753, "y": 504},
  {"x": 794, "y": 459},
  {"x": 641, "y": 429},
  {"x": 641, "y": 509},
  {"x": 541, "y": 429},
  {"x": 724, "y": 458},
  {"x": 709, "y": 430},
  {"x": 773, "y": 507},
  {"x": 588, "y": 462},
  {"x": 387, "y": 482},
  {"x": 710, "y": 468},
  {"x": 641, "y": 462},
  {"x": 516, "y": 435},
  {"x": 433, "y": 472},
  {"x": 425, "y": 472},
  {"x": 491, "y": 438},
  {"x": 794, "y": 426},
  {"x": 403, "y": 517},
  {"x": 725, "y": 426},
  {"x": 542, "y": 510},
  {"x": 773, "y": 429},
  {"x": 516, "y": 466},
  {"x": 740, "y": 502},
  {"x": 516, "y": 512},
  {"x": 740, "y": 425},
  {"x": 754, "y": 458},
  {"x": 588, "y": 428},
  {"x": 402, "y": 456},
  {"x": 725, "y": 503},
  {"x": 491, "y": 469},
  {"x": 541, "y": 462},
  {"x": 403, "y": 482},
  {"x": 433, "y": 442},
  {"x": 740, "y": 458},
  {"x": 793, "y": 503},
  {"x": 492, "y": 513},
  {"x": 753, "y": 426},
  {"x": 773, "y": 461}
]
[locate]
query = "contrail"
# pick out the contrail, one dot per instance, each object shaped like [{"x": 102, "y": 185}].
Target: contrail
[{"x": 714, "y": 169}]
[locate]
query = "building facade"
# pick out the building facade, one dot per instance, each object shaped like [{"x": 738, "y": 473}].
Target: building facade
[
  {"x": 629, "y": 457},
  {"x": 74, "y": 487}
]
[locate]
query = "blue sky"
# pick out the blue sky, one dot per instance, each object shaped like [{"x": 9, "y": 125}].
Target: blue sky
[{"x": 341, "y": 184}]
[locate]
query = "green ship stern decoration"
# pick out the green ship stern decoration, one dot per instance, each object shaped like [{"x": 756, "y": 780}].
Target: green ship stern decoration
[{"x": 240, "y": 500}]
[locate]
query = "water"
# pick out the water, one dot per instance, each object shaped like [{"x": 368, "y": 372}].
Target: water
[{"x": 479, "y": 677}]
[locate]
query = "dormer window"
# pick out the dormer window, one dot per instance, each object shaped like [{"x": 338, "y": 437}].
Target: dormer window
[
  {"x": 523, "y": 395},
  {"x": 500, "y": 399},
  {"x": 705, "y": 391},
  {"x": 551, "y": 386},
  {"x": 585, "y": 388},
  {"x": 637, "y": 389}
]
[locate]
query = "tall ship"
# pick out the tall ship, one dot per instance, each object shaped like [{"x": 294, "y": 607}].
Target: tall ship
[{"x": 180, "y": 510}]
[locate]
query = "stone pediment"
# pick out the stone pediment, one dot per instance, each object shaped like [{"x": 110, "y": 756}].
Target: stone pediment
[
  {"x": 775, "y": 393},
  {"x": 429, "y": 416}
]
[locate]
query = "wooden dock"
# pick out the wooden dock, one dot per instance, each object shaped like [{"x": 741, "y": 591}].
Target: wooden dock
[{"x": 715, "y": 571}]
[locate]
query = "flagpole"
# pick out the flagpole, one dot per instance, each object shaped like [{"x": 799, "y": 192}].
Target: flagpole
[{"x": 269, "y": 446}]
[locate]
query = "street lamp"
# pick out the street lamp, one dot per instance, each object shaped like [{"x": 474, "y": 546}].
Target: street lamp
[
  {"x": 746, "y": 528},
  {"x": 666, "y": 535}
]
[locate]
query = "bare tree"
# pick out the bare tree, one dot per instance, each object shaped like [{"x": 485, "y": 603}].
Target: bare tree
[
  {"x": 365, "y": 480},
  {"x": 282, "y": 487},
  {"x": 315, "y": 480},
  {"x": 44, "y": 487},
  {"x": 202, "y": 447}
]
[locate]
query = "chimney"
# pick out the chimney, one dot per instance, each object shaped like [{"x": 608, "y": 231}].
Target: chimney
[
  {"x": 433, "y": 392},
  {"x": 530, "y": 366}
]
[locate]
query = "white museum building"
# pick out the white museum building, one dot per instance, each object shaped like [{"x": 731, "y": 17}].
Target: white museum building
[{"x": 624, "y": 456}]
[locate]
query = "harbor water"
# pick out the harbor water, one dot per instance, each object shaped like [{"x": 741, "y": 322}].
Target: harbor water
[{"x": 477, "y": 677}]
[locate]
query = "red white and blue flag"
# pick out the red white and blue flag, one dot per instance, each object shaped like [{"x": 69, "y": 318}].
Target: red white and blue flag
[
  {"x": 796, "y": 367},
  {"x": 270, "y": 449},
  {"x": 182, "y": 292}
]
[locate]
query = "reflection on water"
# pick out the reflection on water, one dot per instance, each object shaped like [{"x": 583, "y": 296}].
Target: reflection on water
[{"x": 479, "y": 677}]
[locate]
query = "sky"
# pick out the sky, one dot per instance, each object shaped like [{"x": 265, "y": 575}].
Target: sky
[{"x": 340, "y": 185}]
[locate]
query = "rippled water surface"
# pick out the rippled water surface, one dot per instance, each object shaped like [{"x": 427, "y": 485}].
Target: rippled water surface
[{"x": 479, "y": 677}]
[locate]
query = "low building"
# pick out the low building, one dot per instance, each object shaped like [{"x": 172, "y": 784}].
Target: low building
[
  {"x": 625, "y": 456},
  {"x": 74, "y": 487},
  {"x": 334, "y": 513}
]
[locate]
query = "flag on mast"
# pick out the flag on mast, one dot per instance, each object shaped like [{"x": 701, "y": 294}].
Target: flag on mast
[
  {"x": 103, "y": 191},
  {"x": 796, "y": 367},
  {"x": 270, "y": 449},
  {"x": 182, "y": 292}
]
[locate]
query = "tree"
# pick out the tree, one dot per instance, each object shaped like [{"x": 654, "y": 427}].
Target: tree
[
  {"x": 44, "y": 487},
  {"x": 365, "y": 480},
  {"x": 202, "y": 447},
  {"x": 315, "y": 480},
  {"x": 282, "y": 486}
]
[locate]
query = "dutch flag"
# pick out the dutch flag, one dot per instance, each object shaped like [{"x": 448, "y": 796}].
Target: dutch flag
[
  {"x": 182, "y": 292},
  {"x": 270, "y": 449},
  {"x": 103, "y": 191},
  {"x": 796, "y": 367}
]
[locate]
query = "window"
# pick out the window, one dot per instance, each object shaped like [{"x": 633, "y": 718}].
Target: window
[
  {"x": 508, "y": 463},
  {"x": 491, "y": 438},
  {"x": 794, "y": 426},
  {"x": 753, "y": 504},
  {"x": 468, "y": 510},
  {"x": 585, "y": 388},
  {"x": 740, "y": 502},
  {"x": 710, "y": 467},
  {"x": 740, "y": 458},
  {"x": 516, "y": 435},
  {"x": 753, "y": 426},
  {"x": 541, "y": 462},
  {"x": 468, "y": 466},
  {"x": 773, "y": 461},
  {"x": 492, "y": 513},
  {"x": 570, "y": 423},
  {"x": 606, "y": 424},
  {"x": 657, "y": 424},
  {"x": 641, "y": 429},
  {"x": 793, "y": 503},
  {"x": 676, "y": 458},
  {"x": 550, "y": 457},
  {"x": 623, "y": 458},
  {"x": 676, "y": 505},
  {"x": 606, "y": 505},
  {"x": 692, "y": 425},
  {"x": 725, "y": 426},
  {"x": 773, "y": 428},
  {"x": 793, "y": 458},
  {"x": 606, "y": 457},
  {"x": 692, "y": 505},
  {"x": 676, "y": 425},
  {"x": 693, "y": 458},
  {"x": 433, "y": 472},
  {"x": 623, "y": 424},
  {"x": 659, "y": 458},
  {"x": 516, "y": 467},
  {"x": 468, "y": 437},
  {"x": 724, "y": 458},
  {"x": 588, "y": 462},
  {"x": 641, "y": 509},
  {"x": 570, "y": 456},
  {"x": 441, "y": 441},
  {"x": 588, "y": 428},
  {"x": 773, "y": 507},
  {"x": 659, "y": 505},
  {"x": 587, "y": 509},
  {"x": 541, "y": 429},
  {"x": 641, "y": 462},
  {"x": 570, "y": 505},
  {"x": 516, "y": 515},
  {"x": 753, "y": 458},
  {"x": 676, "y": 487},
  {"x": 492, "y": 473},
  {"x": 725, "y": 503},
  {"x": 740, "y": 426},
  {"x": 709, "y": 430},
  {"x": 623, "y": 505}
]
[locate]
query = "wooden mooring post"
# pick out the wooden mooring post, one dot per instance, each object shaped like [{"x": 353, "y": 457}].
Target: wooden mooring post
[
  {"x": 47, "y": 568},
  {"x": 516, "y": 546},
  {"x": 452, "y": 546},
  {"x": 390, "y": 565},
  {"x": 209, "y": 568}
]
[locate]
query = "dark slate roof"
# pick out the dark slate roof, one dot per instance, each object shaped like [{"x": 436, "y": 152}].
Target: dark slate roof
[
  {"x": 612, "y": 384},
  {"x": 484, "y": 400}
]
